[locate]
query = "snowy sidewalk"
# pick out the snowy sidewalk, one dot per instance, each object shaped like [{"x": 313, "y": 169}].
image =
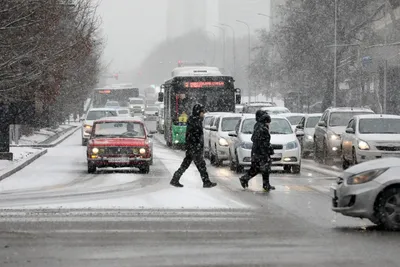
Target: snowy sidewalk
[
  {"x": 30, "y": 148},
  {"x": 46, "y": 136},
  {"x": 23, "y": 156}
]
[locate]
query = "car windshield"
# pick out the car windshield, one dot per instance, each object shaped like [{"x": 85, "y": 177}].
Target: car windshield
[
  {"x": 136, "y": 101},
  {"x": 343, "y": 118},
  {"x": 119, "y": 130},
  {"x": 379, "y": 126},
  {"x": 277, "y": 126},
  {"x": 112, "y": 104},
  {"x": 229, "y": 124},
  {"x": 253, "y": 109},
  {"x": 294, "y": 120},
  {"x": 312, "y": 122},
  {"x": 98, "y": 114},
  {"x": 274, "y": 111},
  {"x": 123, "y": 111}
]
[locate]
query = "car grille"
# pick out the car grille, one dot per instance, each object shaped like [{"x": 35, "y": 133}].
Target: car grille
[
  {"x": 120, "y": 150},
  {"x": 277, "y": 146},
  {"x": 388, "y": 148}
]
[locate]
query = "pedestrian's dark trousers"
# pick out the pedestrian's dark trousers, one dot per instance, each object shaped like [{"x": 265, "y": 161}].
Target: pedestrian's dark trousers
[
  {"x": 197, "y": 158},
  {"x": 255, "y": 169}
]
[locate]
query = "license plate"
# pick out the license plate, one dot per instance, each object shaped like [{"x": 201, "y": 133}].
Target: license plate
[
  {"x": 333, "y": 192},
  {"x": 118, "y": 160},
  {"x": 276, "y": 156},
  {"x": 389, "y": 155}
]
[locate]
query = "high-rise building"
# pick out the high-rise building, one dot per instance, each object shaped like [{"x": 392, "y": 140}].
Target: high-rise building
[{"x": 184, "y": 16}]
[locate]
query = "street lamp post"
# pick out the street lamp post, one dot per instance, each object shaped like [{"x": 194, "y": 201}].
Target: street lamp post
[
  {"x": 233, "y": 47},
  {"x": 335, "y": 60},
  {"x": 223, "y": 44},
  {"x": 249, "y": 37}
]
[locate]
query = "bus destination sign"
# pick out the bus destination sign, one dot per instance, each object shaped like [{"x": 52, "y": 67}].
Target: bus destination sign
[
  {"x": 203, "y": 84},
  {"x": 105, "y": 91}
]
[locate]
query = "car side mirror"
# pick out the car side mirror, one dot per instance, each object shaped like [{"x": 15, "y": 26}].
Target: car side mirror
[
  {"x": 213, "y": 128},
  {"x": 153, "y": 132},
  {"x": 232, "y": 134},
  {"x": 300, "y": 133},
  {"x": 156, "y": 113},
  {"x": 322, "y": 124},
  {"x": 150, "y": 135},
  {"x": 299, "y": 126},
  {"x": 350, "y": 131}
]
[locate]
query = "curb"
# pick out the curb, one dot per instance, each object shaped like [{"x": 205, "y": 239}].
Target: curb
[
  {"x": 19, "y": 166},
  {"x": 56, "y": 142}
]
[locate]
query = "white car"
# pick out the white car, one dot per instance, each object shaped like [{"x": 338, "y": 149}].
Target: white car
[
  {"x": 294, "y": 118},
  {"x": 283, "y": 140},
  {"x": 92, "y": 115},
  {"x": 208, "y": 122},
  {"x": 370, "y": 190},
  {"x": 275, "y": 110},
  {"x": 123, "y": 112},
  {"x": 219, "y": 145},
  {"x": 136, "y": 105},
  {"x": 369, "y": 137}
]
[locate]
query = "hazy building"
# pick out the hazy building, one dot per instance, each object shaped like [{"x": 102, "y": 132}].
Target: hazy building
[
  {"x": 245, "y": 10},
  {"x": 184, "y": 16}
]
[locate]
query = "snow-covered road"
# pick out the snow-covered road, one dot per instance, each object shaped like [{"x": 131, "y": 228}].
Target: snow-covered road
[{"x": 59, "y": 179}]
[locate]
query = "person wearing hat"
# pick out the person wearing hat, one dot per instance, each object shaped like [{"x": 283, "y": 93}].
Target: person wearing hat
[
  {"x": 194, "y": 148},
  {"x": 261, "y": 152}
]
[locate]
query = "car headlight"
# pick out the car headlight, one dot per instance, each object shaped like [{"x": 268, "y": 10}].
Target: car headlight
[
  {"x": 142, "y": 151},
  {"x": 223, "y": 142},
  {"x": 365, "y": 177},
  {"x": 95, "y": 150},
  {"x": 246, "y": 145},
  {"x": 87, "y": 127},
  {"x": 309, "y": 137},
  {"x": 291, "y": 145},
  {"x": 363, "y": 145},
  {"x": 334, "y": 137}
]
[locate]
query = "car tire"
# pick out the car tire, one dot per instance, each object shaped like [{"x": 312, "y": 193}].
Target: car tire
[
  {"x": 317, "y": 156},
  {"x": 326, "y": 159},
  {"x": 91, "y": 168},
  {"x": 238, "y": 167},
  {"x": 144, "y": 169},
  {"x": 287, "y": 169},
  {"x": 84, "y": 142},
  {"x": 218, "y": 162},
  {"x": 345, "y": 163},
  {"x": 296, "y": 169},
  {"x": 354, "y": 157},
  {"x": 383, "y": 214}
]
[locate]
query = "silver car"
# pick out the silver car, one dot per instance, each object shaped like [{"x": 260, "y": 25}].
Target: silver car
[
  {"x": 370, "y": 190},
  {"x": 307, "y": 124},
  {"x": 370, "y": 137},
  {"x": 283, "y": 141}
]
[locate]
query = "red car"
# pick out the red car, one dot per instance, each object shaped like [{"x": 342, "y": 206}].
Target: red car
[{"x": 119, "y": 142}]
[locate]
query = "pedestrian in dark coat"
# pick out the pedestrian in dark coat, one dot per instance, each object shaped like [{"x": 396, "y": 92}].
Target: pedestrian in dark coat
[
  {"x": 261, "y": 151},
  {"x": 194, "y": 148}
]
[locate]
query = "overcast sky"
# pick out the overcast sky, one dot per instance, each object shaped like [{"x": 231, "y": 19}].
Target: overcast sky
[{"x": 132, "y": 28}]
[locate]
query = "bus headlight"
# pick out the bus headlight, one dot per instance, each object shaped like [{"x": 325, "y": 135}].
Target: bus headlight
[
  {"x": 95, "y": 150},
  {"x": 142, "y": 151}
]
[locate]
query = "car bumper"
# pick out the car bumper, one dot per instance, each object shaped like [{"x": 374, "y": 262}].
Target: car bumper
[
  {"x": 280, "y": 158},
  {"x": 334, "y": 149},
  {"x": 367, "y": 155},
  {"x": 118, "y": 161},
  {"x": 355, "y": 200},
  {"x": 85, "y": 136},
  {"x": 223, "y": 152},
  {"x": 308, "y": 145}
]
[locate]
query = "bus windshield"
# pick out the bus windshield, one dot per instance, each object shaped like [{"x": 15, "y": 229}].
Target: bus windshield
[{"x": 121, "y": 95}]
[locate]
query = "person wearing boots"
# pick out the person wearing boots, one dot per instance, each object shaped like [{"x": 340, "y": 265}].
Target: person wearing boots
[
  {"x": 261, "y": 152},
  {"x": 194, "y": 148}
]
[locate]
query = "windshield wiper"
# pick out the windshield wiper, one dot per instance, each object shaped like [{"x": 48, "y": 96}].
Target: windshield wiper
[
  {"x": 247, "y": 132},
  {"x": 277, "y": 133}
]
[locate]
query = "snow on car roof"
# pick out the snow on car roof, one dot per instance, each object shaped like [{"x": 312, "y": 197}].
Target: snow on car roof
[
  {"x": 378, "y": 116},
  {"x": 121, "y": 119}
]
